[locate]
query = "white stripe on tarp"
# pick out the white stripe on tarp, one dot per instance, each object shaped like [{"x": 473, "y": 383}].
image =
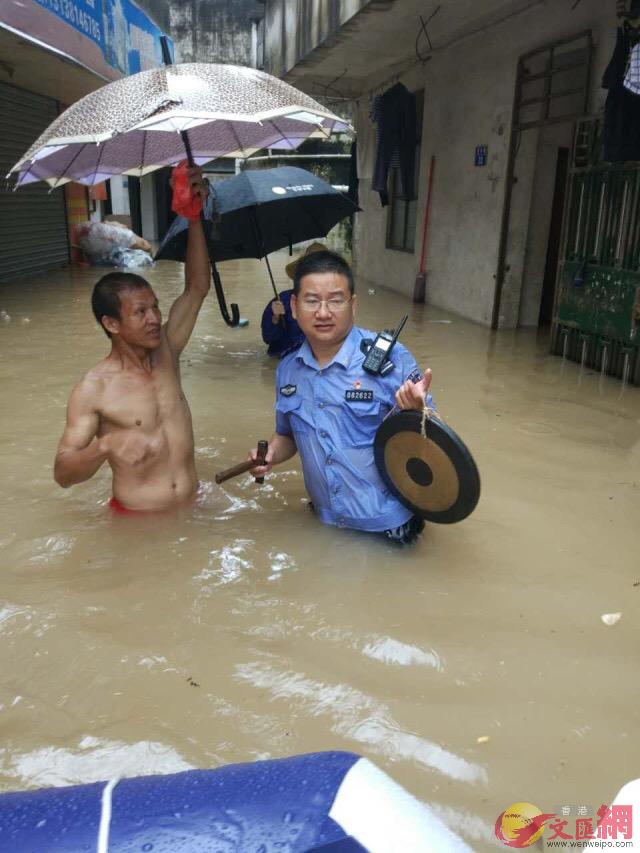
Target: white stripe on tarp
[
  {"x": 105, "y": 816},
  {"x": 629, "y": 795},
  {"x": 384, "y": 818}
]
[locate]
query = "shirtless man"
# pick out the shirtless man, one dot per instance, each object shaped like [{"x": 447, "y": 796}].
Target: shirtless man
[{"x": 130, "y": 410}]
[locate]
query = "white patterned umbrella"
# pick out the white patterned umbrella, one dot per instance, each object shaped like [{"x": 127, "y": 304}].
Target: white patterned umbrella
[{"x": 133, "y": 125}]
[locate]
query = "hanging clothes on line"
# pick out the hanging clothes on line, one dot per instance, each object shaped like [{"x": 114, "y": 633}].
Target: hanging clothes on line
[
  {"x": 632, "y": 77},
  {"x": 394, "y": 113},
  {"x": 375, "y": 116},
  {"x": 622, "y": 108}
]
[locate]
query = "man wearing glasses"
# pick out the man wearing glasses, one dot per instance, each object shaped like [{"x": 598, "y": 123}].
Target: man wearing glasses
[{"x": 328, "y": 408}]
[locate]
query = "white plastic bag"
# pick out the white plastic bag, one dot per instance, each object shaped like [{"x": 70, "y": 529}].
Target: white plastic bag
[
  {"x": 130, "y": 258},
  {"x": 98, "y": 240}
]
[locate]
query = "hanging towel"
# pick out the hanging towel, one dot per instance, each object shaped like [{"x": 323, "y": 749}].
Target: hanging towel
[{"x": 396, "y": 121}]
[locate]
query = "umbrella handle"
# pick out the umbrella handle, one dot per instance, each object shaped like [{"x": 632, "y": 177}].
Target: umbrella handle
[{"x": 234, "y": 319}]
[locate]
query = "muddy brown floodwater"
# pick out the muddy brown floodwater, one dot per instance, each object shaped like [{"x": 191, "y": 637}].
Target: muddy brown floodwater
[{"x": 243, "y": 629}]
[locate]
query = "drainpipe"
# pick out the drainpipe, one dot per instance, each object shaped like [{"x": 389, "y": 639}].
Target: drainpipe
[
  {"x": 148, "y": 207},
  {"x": 194, "y": 30},
  {"x": 254, "y": 43}
]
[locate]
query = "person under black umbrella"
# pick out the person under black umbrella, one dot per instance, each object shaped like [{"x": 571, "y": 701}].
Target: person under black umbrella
[
  {"x": 259, "y": 211},
  {"x": 279, "y": 330}
]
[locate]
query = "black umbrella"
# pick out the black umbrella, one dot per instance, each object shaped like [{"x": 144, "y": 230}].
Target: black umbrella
[{"x": 261, "y": 210}]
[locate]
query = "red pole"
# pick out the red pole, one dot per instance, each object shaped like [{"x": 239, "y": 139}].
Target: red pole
[{"x": 421, "y": 278}]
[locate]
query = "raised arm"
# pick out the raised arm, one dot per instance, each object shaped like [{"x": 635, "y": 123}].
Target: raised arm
[
  {"x": 197, "y": 275},
  {"x": 80, "y": 452}
]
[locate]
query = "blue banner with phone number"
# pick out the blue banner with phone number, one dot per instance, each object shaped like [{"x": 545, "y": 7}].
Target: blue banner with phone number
[{"x": 128, "y": 38}]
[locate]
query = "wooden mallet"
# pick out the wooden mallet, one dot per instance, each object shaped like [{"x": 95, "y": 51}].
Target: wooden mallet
[{"x": 243, "y": 467}]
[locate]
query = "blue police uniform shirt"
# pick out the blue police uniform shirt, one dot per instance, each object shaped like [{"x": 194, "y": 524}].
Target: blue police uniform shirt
[{"x": 333, "y": 413}]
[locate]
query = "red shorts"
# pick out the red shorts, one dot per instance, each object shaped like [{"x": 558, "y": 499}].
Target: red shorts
[{"x": 117, "y": 507}]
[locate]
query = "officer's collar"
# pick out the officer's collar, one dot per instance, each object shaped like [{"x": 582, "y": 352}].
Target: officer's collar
[{"x": 342, "y": 357}]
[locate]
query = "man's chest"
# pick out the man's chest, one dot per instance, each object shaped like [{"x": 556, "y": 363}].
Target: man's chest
[{"x": 142, "y": 401}]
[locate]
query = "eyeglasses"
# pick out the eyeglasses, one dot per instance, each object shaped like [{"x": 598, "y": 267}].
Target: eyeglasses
[{"x": 334, "y": 305}]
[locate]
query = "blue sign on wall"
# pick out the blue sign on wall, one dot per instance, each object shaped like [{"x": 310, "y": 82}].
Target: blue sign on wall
[
  {"x": 128, "y": 39},
  {"x": 482, "y": 152},
  {"x": 83, "y": 15}
]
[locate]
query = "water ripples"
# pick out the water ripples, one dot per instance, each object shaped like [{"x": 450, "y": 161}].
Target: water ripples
[
  {"x": 93, "y": 760},
  {"x": 228, "y": 564},
  {"x": 390, "y": 651},
  {"x": 359, "y": 718}
]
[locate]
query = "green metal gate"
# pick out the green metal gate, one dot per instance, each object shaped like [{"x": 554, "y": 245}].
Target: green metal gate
[{"x": 597, "y": 315}]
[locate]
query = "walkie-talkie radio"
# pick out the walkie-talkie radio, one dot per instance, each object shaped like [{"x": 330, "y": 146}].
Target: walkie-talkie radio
[{"x": 380, "y": 350}]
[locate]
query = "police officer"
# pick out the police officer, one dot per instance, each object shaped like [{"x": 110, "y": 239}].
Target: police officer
[{"x": 329, "y": 409}]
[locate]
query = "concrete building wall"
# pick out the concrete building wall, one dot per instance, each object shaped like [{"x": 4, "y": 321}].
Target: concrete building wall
[
  {"x": 469, "y": 90},
  {"x": 215, "y": 30},
  {"x": 295, "y": 27},
  {"x": 158, "y": 10}
]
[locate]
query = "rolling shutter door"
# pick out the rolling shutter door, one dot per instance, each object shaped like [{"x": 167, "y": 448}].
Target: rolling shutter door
[{"x": 33, "y": 226}]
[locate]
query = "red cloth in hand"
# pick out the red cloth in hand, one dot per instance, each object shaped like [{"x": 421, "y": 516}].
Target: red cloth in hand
[{"x": 185, "y": 202}]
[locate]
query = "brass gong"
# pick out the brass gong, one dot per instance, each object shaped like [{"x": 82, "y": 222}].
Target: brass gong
[{"x": 433, "y": 474}]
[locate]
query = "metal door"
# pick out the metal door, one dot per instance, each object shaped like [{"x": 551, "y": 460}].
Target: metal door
[
  {"x": 33, "y": 224},
  {"x": 597, "y": 315},
  {"x": 552, "y": 87}
]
